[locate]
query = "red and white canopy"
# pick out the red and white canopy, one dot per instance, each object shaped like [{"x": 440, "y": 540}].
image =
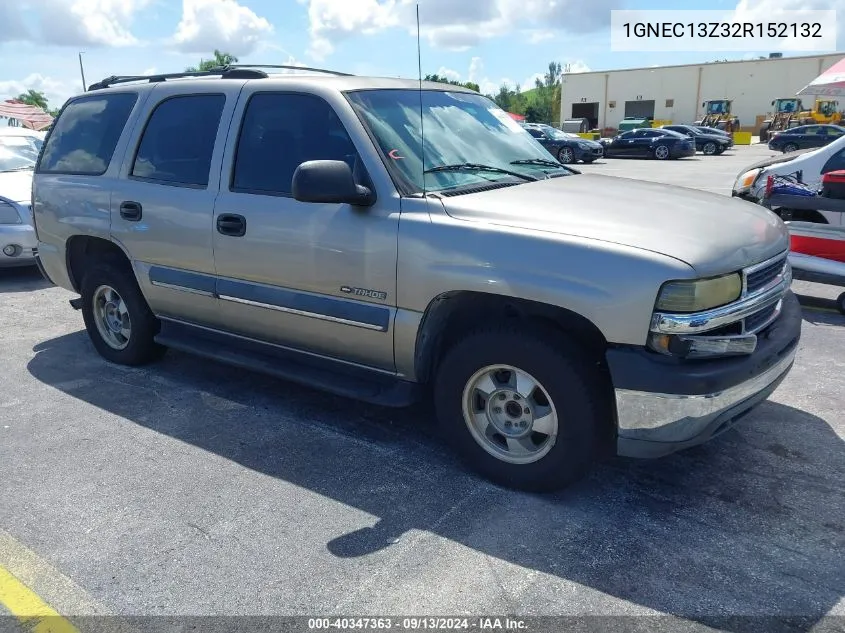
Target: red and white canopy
[
  {"x": 29, "y": 116},
  {"x": 831, "y": 83}
]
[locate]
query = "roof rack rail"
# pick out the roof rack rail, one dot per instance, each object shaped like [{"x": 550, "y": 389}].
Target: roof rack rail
[
  {"x": 231, "y": 71},
  {"x": 292, "y": 67}
]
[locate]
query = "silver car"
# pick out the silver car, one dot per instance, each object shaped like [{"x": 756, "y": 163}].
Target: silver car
[
  {"x": 391, "y": 241},
  {"x": 17, "y": 236}
]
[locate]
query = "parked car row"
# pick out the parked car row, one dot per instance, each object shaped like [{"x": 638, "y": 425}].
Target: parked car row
[{"x": 662, "y": 143}]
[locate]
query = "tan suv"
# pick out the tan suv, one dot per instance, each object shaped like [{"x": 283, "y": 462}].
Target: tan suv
[{"x": 392, "y": 241}]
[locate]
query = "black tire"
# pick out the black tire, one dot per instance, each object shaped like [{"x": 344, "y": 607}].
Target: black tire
[
  {"x": 657, "y": 150},
  {"x": 141, "y": 347},
  {"x": 840, "y": 303},
  {"x": 710, "y": 148},
  {"x": 789, "y": 147},
  {"x": 564, "y": 372},
  {"x": 566, "y": 155},
  {"x": 721, "y": 150}
]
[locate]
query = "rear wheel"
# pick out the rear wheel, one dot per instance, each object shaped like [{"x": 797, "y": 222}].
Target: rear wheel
[
  {"x": 661, "y": 152},
  {"x": 119, "y": 322},
  {"x": 523, "y": 410},
  {"x": 566, "y": 155},
  {"x": 840, "y": 303}
]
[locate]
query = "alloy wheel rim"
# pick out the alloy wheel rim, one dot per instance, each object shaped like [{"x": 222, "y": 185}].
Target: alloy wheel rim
[
  {"x": 111, "y": 316},
  {"x": 510, "y": 414},
  {"x": 661, "y": 152}
]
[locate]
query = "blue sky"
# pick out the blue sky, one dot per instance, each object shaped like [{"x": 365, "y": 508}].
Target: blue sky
[{"x": 487, "y": 41}]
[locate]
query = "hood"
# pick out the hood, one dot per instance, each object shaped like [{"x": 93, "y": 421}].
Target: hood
[
  {"x": 16, "y": 186},
  {"x": 711, "y": 232}
]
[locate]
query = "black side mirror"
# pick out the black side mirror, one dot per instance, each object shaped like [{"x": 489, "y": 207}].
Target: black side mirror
[{"x": 329, "y": 181}]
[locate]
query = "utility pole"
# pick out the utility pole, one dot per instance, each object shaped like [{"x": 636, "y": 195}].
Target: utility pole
[{"x": 82, "y": 72}]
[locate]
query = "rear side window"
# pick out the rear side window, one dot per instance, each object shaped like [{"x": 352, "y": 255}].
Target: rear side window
[
  {"x": 178, "y": 141},
  {"x": 84, "y": 136}
]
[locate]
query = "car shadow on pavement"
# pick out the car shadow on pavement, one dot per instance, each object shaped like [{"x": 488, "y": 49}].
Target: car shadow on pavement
[
  {"x": 22, "y": 279},
  {"x": 747, "y": 526}
]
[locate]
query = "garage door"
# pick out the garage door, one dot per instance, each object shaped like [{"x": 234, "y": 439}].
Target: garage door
[{"x": 639, "y": 109}]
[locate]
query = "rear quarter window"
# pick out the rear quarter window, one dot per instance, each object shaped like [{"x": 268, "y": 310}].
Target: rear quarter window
[{"x": 84, "y": 137}]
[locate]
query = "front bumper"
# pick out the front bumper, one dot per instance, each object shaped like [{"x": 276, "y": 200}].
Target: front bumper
[
  {"x": 18, "y": 245},
  {"x": 593, "y": 153},
  {"x": 664, "y": 405}
]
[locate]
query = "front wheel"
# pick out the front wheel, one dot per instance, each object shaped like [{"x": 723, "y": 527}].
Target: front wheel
[
  {"x": 566, "y": 155},
  {"x": 789, "y": 147},
  {"x": 661, "y": 152},
  {"x": 119, "y": 322},
  {"x": 709, "y": 148},
  {"x": 522, "y": 412}
]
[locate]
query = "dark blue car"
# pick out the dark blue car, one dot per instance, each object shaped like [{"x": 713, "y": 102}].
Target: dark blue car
[
  {"x": 804, "y": 137},
  {"x": 565, "y": 146}
]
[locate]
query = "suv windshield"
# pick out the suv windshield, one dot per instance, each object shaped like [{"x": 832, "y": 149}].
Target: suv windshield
[
  {"x": 12, "y": 161},
  {"x": 460, "y": 129}
]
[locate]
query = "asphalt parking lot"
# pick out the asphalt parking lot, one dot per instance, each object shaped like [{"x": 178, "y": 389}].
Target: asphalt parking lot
[{"x": 190, "y": 488}]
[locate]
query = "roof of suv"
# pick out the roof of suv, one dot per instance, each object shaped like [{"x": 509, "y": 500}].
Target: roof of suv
[{"x": 335, "y": 81}]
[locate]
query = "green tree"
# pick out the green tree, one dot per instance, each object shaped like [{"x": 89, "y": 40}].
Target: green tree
[
  {"x": 33, "y": 98},
  {"x": 220, "y": 59},
  {"x": 445, "y": 80}
]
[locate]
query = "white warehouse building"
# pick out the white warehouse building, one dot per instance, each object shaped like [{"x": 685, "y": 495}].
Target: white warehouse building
[{"x": 676, "y": 93}]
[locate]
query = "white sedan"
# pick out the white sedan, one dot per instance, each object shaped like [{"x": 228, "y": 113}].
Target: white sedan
[
  {"x": 22, "y": 140},
  {"x": 17, "y": 233}
]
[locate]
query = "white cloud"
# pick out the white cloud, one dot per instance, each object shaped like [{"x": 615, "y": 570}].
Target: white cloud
[
  {"x": 476, "y": 68},
  {"x": 56, "y": 91},
  {"x": 87, "y": 22},
  {"x": 576, "y": 66},
  {"x": 219, "y": 24},
  {"x": 451, "y": 24},
  {"x": 453, "y": 75},
  {"x": 334, "y": 19},
  {"x": 12, "y": 28}
]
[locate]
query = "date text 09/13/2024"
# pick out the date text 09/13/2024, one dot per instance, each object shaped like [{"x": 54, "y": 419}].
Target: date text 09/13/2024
[{"x": 418, "y": 624}]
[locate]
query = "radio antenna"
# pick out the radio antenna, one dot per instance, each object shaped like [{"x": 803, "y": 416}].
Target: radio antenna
[{"x": 420, "y": 75}]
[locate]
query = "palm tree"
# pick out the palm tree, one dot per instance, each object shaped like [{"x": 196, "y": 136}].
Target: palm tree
[
  {"x": 220, "y": 59},
  {"x": 33, "y": 98}
]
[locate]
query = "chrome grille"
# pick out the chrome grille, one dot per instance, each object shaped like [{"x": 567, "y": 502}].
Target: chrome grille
[
  {"x": 761, "y": 319},
  {"x": 758, "y": 277}
]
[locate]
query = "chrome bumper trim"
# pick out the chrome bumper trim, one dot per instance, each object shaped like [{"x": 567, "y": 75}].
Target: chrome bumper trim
[{"x": 662, "y": 417}]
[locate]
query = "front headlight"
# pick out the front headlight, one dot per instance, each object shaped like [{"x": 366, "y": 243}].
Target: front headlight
[
  {"x": 746, "y": 180},
  {"x": 695, "y": 295},
  {"x": 584, "y": 145},
  {"x": 8, "y": 214}
]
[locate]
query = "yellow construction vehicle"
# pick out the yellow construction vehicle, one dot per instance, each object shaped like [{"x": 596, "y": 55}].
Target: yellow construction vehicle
[
  {"x": 717, "y": 114},
  {"x": 790, "y": 112}
]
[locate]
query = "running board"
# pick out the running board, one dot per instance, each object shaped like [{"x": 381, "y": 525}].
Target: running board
[{"x": 306, "y": 369}]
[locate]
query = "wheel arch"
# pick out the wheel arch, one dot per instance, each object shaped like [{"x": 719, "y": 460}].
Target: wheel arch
[
  {"x": 82, "y": 251},
  {"x": 452, "y": 314}
]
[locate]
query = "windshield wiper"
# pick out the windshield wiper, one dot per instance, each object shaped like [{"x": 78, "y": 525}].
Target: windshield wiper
[
  {"x": 542, "y": 162},
  {"x": 479, "y": 167},
  {"x": 537, "y": 161}
]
